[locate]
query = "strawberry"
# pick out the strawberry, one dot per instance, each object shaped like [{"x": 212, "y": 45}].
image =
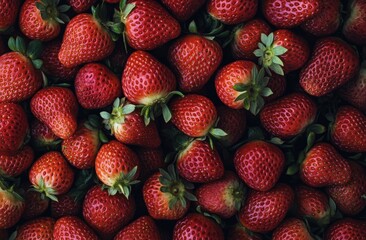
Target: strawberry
[
  {"x": 11, "y": 207},
  {"x": 13, "y": 166},
  {"x": 222, "y": 197},
  {"x": 128, "y": 126},
  {"x": 85, "y": 40},
  {"x": 259, "y": 164},
  {"x": 350, "y": 197},
  {"x": 143, "y": 228},
  {"x": 35, "y": 203},
  {"x": 57, "y": 108},
  {"x": 80, "y": 6},
  {"x": 264, "y": 211},
  {"x": 324, "y": 166},
  {"x": 289, "y": 14},
  {"x": 356, "y": 22},
  {"x": 105, "y": 213},
  {"x": 326, "y": 21},
  {"x": 345, "y": 229},
  {"x": 151, "y": 159},
  {"x": 96, "y": 86},
  {"x": 13, "y": 127},
  {"x": 40, "y": 228},
  {"x": 118, "y": 167},
  {"x": 8, "y": 13},
  {"x": 66, "y": 206},
  {"x": 348, "y": 130},
  {"x": 71, "y": 227},
  {"x": 42, "y": 19},
  {"x": 246, "y": 38},
  {"x": 238, "y": 232},
  {"x": 232, "y": 11},
  {"x": 195, "y": 59},
  {"x": 327, "y": 69},
  {"x": 292, "y": 228},
  {"x": 51, "y": 175},
  {"x": 277, "y": 84},
  {"x": 183, "y": 10},
  {"x": 288, "y": 116},
  {"x": 21, "y": 66},
  {"x": 197, "y": 226},
  {"x": 42, "y": 136}
]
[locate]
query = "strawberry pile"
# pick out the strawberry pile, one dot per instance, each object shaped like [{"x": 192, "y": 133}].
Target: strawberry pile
[{"x": 172, "y": 119}]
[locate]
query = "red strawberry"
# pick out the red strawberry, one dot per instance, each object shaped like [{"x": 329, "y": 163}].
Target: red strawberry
[
  {"x": 51, "y": 175},
  {"x": 222, "y": 197},
  {"x": 56, "y": 107},
  {"x": 118, "y": 167},
  {"x": 346, "y": 229},
  {"x": 143, "y": 228},
  {"x": 288, "y": 14},
  {"x": 96, "y": 86},
  {"x": 15, "y": 165},
  {"x": 182, "y": 9},
  {"x": 80, "y": 6},
  {"x": 289, "y": 115},
  {"x": 65, "y": 206},
  {"x": 353, "y": 28},
  {"x": 151, "y": 159},
  {"x": 259, "y": 164},
  {"x": 232, "y": 11},
  {"x": 348, "y": 131},
  {"x": 42, "y": 136},
  {"x": 328, "y": 68},
  {"x": 277, "y": 84},
  {"x": 238, "y": 232},
  {"x": 106, "y": 213},
  {"x": 350, "y": 197},
  {"x": 11, "y": 207},
  {"x": 233, "y": 122},
  {"x": 292, "y": 228},
  {"x": 326, "y": 21},
  {"x": 13, "y": 127},
  {"x": 8, "y": 13},
  {"x": 324, "y": 166},
  {"x": 247, "y": 37},
  {"x": 70, "y": 227},
  {"x": 40, "y": 228},
  {"x": 197, "y": 226},
  {"x": 264, "y": 211},
  {"x": 195, "y": 59},
  {"x": 35, "y": 203}
]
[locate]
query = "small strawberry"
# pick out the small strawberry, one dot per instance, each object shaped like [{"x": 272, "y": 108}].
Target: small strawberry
[
  {"x": 51, "y": 175},
  {"x": 14, "y": 165},
  {"x": 80, "y": 6},
  {"x": 56, "y": 107},
  {"x": 42, "y": 136},
  {"x": 65, "y": 206},
  {"x": 332, "y": 64},
  {"x": 259, "y": 164},
  {"x": 11, "y": 207},
  {"x": 143, "y": 228},
  {"x": 324, "y": 166},
  {"x": 183, "y": 9},
  {"x": 356, "y": 22},
  {"x": 8, "y": 13},
  {"x": 40, "y": 228},
  {"x": 264, "y": 211},
  {"x": 292, "y": 228},
  {"x": 35, "y": 203},
  {"x": 346, "y": 229},
  {"x": 151, "y": 159},
  {"x": 70, "y": 227}
]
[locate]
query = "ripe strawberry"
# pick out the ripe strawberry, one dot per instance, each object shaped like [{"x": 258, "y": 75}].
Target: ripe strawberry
[
  {"x": 11, "y": 207},
  {"x": 40, "y": 228},
  {"x": 328, "y": 68},
  {"x": 346, "y": 229},
  {"x": 80, "y": 6},
  {"x": 289, "y": 115},
  {"x": 247, "y": 37},
  {"x": 197, "y": 226},
  {"x": 35, "y": 203},
  {"x": 324, "y": 166},
  {"x": 143, "y": 228},
  {"x": 292, "y": 228},
  {"x": 8, "y": 13},
  {"x": 42, "y": 136},
  {"x": 264, "y": 211},
  {"x": 151, "y": 159},
  {"x": 349, "y": 197},
  {"x": 232, "y": 11},
  {"x": 128, "y": 127},
  {"x": 85, "y": 40},
  {"x": 259, "y": 164},
  {"x": 348, "y": 131},
  {"x": 356, "y": 22},
  {"x": 65, "y": 206},
  {"x": 238, "y": 232},
  {"x": 277, "y": 84},
  {"x": 96, "y": 86},
  {"x": 14, "y": 165},
  {"x": 71, "y": 227},
  {"x": 56, "y": 107},
  {"x": 183, "y": 10},
  {"x": 289, "y": 14},
  {"x": 195, "y": 59},
  {"x": 51, "y": 175},
  {"x": 326, "y": 21},
  {"x": 13, "y": 127},
  {"x": 222, "y": 197},
  {"x": 105, "y": 213}
]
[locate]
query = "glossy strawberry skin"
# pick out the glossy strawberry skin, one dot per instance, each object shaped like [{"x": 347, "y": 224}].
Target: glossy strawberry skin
[
  {"x": 232, "y": 12},
  {"x": 292, "y": 228},
  {"x": 40, "y": 228},
  {"x": 345, "y": 229},
  {"x": 14, "y": 165},
  {"x": 11, "y": 209},
  {"x": 149, "y": 25},
  {"x": 181, "y": 9},
  {"x": 259, "y": 164},
  {"x": 151, "y": 159},
  {"x": 70, "y": 227},
  {"x": 8, "y": 13},
  {"x": 66, "y": 206},
  {"x": 143, "y": 228},
  {"x": 233, "y": 122},
  {"x": 288, "y": 116},
  {"x": 328, "y": 68},
  {"x": 324, "y": 166},
  {"x": 195, "y": 59},
  {"x": 356, "y": 22},
  {"x": 80, "y": 6}
]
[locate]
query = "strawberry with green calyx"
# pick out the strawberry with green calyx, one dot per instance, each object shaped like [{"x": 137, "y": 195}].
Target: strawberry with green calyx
[{"x": 12, "y": 206}]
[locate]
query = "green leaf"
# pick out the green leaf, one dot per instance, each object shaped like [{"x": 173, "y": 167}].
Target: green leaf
[
  {"x": 103, "y": 138},
  {"x": 258, "y": 53},
  {"x": 262, "y": 47},
  {"x": 279, "y": 50},
  {"x": 266, "y": 92},
  {"x": 128, "y": 108},
  {"x": 269, "y": 41},
  {"x": 190, "y": 196},
  {"x": 11, "y": 44},
  {"x": 264, "y": 38},
  {"x": 253, "y": 107},
  {"x": 122, "y": 4},
  {"x": 277, "y": 69},
  {"x": 20, "y": 45},
  {"x": 292, "y": 169},
  {"x": 34, "y": 49},
  {"x": 240, "y": 87},
  {"x": 332, "y": 206},
  {"x": 128, "y": 9},
  {"x": 277, "y": 141},
  {"x": 218, "y": 132},
  {"x": 242, "y": 96},
  {"x": 63, "y": 8},
  {"x": 167, "y": 115},
  {"x": 37, "y": 63},
  {"x": 105, "y": 115},
  {"x": 192, "y": 27},
  {"x": 277, "y": 60},
  {"x": 116, "y": 103}
]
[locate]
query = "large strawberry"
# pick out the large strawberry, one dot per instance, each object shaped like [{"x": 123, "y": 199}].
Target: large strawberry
[
  {"x": 71, "y": 227},
  {"x": 183, "y": 9},
  {"x": 353, "y": 28},
  {"x": 264, "y": 211},
  {"x": 346, "y": 229},
  {"x": 66, "y": 205},
  {"x": 151, "y": 159},
  {"x": 39, "y": 228},
  {"x": 11, "y": 207},
  {"x": 8, "y": 13},
  {"x": 56, "y": 107},
  {"x": 292, "y": 228},
  {"x": 259, "y": 164},
  {"x": 333, "y": 63},
  {"x": 14, "y": 165},
  {"x": 13, "y": 127},
  {"x": 143, "y": 228},
  {"x": 80, "y": 6},
  {"x": 51, "y": 175},
  {"x": 42, "y": 137}
]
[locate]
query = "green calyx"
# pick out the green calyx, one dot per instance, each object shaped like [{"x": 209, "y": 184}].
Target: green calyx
[
  {"x": 252, "y": 94},
  {"x": 269, "y": 53},
  {"x": 32, "y": 51},
  {"x": 123, "y": 183},
  {"x": 237, "y": 192},
  {"x": 51, "y": 11},
  {"x": 214, "y": 133},
  {"x": 48, "y": 192}
]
